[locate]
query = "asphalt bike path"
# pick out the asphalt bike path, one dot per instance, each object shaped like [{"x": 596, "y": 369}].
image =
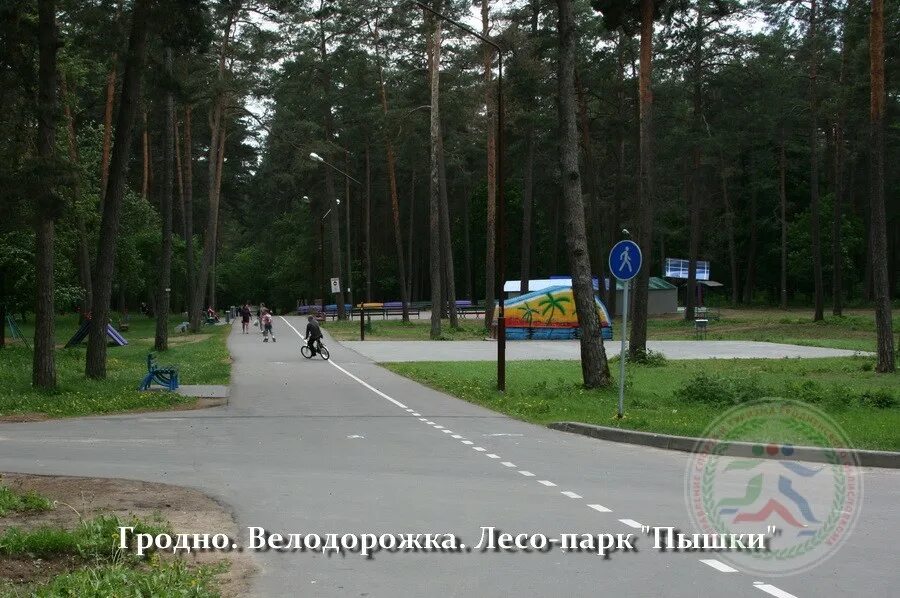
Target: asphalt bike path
[{"x": 308, "y": 446}]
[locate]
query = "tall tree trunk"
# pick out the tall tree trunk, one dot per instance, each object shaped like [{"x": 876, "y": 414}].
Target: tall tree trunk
[
  {"x": 467, "y": 250},
  {"x": 490, "y": 275},
  {"x": 593, "y": 221},
  {"x": 83, "y": 257},
  {"x": 638, "y": 344},
  {"x": 43, "y": 370},
  {"x": 694, "y": 242},
  {"x": 782, "y": 201},
  {"x": 696, "y": 176},
  {"x": 190, "y": 259},
  {"x": 215, "y": 159},
  {"x": 145, "y": 156},
  {"x": 594, "y": 366},
  {"x": 163, "y": 293},
  {"x": 95, "y": 366},
  {"x": 410, "y": 233},
  {"x": 814, "y": 209},
  {"x": 881, "y": 283},
  {"x": 395, "y": 200},
  {"x": 108, "y": 110},
  {"x": 729, "y": 228},
  {"x": 840, "y": 186},
  {"x": 368, "y": 233},
  {"x": 347, "y": 240},
  {"x": 434, "y": 212},
  {"x": 446, "y": 240},
  {"x": 527, "y": 209},
  {"x": 750, "y": 276}
]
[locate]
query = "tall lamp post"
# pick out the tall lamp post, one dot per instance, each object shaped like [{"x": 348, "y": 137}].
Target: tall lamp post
[
  {"x": 317, "y": 158},
  {"x": 500, "y": 225}
]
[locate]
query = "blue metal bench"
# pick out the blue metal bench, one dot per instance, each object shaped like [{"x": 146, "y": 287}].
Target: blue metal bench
[{"x": 166, "y": 375}]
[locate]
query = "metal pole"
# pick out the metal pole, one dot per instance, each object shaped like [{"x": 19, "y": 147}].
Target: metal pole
[
  {"x": 500, "y": 235},
  {"x": 322, "y": 253},
  {"x": 622, "y": 351}
]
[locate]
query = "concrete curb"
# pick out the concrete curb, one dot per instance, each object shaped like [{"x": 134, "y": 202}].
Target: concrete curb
[{"x": 731, "y": 449}]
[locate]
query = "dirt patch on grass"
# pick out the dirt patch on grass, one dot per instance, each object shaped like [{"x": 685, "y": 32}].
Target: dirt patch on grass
[
  {"x": 187, "y": 511},
  {"x": 18, "y": 418}
]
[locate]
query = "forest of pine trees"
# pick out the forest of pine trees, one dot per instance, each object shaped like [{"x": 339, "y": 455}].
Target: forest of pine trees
[{"x": 158, "y": 152}]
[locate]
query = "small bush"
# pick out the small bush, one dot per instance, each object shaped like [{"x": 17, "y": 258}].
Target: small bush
[
  {"x": 13, "y": 501},
  {"x": 879, "y": 399},
  {"x": 159, "y": 579},
  {"x": 648, "y": 358},
  {"x": 719, "y": 390}
]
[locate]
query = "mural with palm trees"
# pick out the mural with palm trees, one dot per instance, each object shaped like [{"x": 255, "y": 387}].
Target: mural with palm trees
[
  {"x": 549, "y": 313},
  {"x": 553, "y": 303}
]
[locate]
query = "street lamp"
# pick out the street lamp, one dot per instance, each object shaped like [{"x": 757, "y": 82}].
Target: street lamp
[
  {"x": 500, "y": 224},
  {"x": 317, "y": 158}
]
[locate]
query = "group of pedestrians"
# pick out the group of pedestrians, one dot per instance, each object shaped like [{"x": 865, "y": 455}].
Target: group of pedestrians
[{"x": 264, "y": 320}]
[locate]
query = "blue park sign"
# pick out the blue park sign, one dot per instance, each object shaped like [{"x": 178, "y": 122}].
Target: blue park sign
[{"x": 625, "y": 260}]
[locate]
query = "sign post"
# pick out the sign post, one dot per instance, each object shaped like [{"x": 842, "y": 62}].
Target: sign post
[
  {"x": 335, "y": 285},
  {"x": 624, "y": 263}
]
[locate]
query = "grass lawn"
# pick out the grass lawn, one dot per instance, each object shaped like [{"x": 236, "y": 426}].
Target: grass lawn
[
  {"x": 87, "y": 561},
  {"x": 680, "y": 397},
  {"x": 414, "y": 330},
  {"x": 202, "y": 359},
  {"x": 21, "y": 502},
  {"x": 854, "y": 331}
]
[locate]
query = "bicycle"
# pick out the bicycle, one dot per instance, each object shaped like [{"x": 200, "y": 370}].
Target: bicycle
[{"x": 321, "y": 349}]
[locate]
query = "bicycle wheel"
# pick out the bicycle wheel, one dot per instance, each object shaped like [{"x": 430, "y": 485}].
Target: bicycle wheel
[
  {"x": 305, "y": 352},
  {"x": 323, "y": 351}
]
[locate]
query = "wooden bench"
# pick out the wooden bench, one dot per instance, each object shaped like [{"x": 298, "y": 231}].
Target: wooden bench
[{"x": 166, "y": 375}]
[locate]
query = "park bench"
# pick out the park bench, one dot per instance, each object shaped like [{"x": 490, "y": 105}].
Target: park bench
[
  {"x": 466, "y": 308},
  {"x": 395, "y": 308},
  {"x": 708, "y": 313},
  {"x": 166, "y": 375}
]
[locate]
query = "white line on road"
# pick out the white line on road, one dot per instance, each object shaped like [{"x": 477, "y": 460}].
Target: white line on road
[
  {"x": 770, "y": 589},
  {"x": 437, "y": 427},
  {"x": 718, "y": 565},
  {"x": 446, "y": 431},
  {"x": 430, "y": 423},
  {"x": 361, "y": 381},
  {"x": 467, "y": 442},
  {"x": 457, "y": 436},
  {"x": 416, "y": 414},
  {"x": 493, "y": 456},
  {"x": 423, "y": 419},
  {"x": 600, "y": 508},
  {"x": 631, "y": 523},
  {"x": 570, "y": 494},
  {"x": 508, "y": 464},
  {"x": 527, "y": 474},
  {"x": 547, "y": 483},
  {"x": 479, "y": 449}
]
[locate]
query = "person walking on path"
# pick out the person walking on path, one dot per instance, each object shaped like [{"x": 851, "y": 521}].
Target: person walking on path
[
  {"x": 267, "y": 326},
  {"x": 245, "y": 317}
]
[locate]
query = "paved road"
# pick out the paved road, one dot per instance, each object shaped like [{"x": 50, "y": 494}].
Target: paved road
[
  {"x": 308, "y": 446},
  {"x": 384, "y": 351}
]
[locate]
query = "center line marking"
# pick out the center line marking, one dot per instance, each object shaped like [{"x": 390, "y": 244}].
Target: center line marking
[
  {"x": 445, "y": 431},
  {"x": 479, "y": 449},
  {"x": 546, "y": 483},
  {"x": 423, "y": 419},
  {"x": 600, "y": 508},
  {"x": 467, "y": 442},
  {"x": 457, "y": 436},
  {"x": 416, "y": 414},
  {"x": 570, "y": 494},
  {"x": 718, "y": 565},
  {"x": 508, "y": 464},
  {"x": 437, "y": 427},
  {"x": 631, "y": 523},
  {"x": 493, "y": 456},
  {"x": 527, "y": 474},
  {"x": 770, "y": 589}
]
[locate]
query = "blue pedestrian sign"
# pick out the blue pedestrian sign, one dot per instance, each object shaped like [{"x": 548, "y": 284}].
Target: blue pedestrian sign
[{"x": 625, "y": 260}]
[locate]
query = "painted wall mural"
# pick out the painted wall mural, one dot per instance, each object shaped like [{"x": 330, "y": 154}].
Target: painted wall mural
[{"x": 548, "y": 314}]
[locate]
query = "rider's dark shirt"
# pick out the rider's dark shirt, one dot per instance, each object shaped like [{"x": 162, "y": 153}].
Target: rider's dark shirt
[{"x": 313, "y": 331}]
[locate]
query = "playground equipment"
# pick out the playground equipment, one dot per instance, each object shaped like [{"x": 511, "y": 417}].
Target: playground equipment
[
  {"x": 15, "y": 331},
  {"x": 113, "y": 334},
  {"x": 549, "y": 314}
]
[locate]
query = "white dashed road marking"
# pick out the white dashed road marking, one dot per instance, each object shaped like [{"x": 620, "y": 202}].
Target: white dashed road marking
[
  {"x": 527, "y": 474},
  {"x": 547, "y": 483},
  {"x": 508, "y": 464},
  {"x": 718, "y": 565},
  {"x": 631, "y": 523},
  {"x": 600, "y": 508},
  {"x": 770, "y": 589},
  {"x": 493, "y": 456},
  {"x": 570, "y": 494}
]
